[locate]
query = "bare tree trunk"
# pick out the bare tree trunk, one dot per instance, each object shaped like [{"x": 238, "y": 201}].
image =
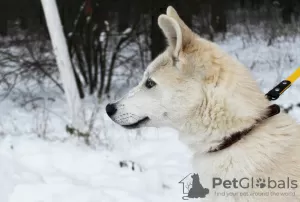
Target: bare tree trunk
[
  {"x": 112, "y": 64},
  {"x": 95, "y": 51},
  {"x": 102, "y": 61},
  {"x": 63, "y": 61},
  {"x": 88, "y": 53}
]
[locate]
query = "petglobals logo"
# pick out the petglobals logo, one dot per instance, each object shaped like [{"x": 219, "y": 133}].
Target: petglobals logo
[
  {"x": 247, "y": 183},
  {"x": 192, "y": 187}
]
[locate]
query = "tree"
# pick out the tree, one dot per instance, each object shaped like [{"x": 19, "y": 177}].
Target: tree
[{"x": 63, "y": 60}]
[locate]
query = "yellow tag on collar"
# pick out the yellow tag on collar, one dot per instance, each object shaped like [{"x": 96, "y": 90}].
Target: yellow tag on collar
[{"x": 293, "y": 77}]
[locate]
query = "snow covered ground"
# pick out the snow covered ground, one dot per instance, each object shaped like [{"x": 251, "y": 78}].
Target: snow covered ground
[
  {"x": 41, "y": 162},
  {"x": 52, "y": 169}
]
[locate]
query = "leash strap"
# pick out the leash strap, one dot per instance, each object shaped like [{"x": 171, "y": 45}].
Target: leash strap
[{"x": 275, "y": 93}]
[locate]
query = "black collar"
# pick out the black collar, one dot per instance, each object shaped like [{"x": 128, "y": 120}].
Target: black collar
[{"x": 233, "y": 138}]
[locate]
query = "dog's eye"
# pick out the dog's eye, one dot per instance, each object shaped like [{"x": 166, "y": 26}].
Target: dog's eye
[{"x": 150, "y": 83}]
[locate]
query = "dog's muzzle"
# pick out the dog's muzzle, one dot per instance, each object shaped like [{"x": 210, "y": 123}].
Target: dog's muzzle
[{"x": 111, "y": 110}]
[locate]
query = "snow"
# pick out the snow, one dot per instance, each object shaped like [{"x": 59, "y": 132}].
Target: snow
[
  {"x": 88, "y": 19},
  {"x": 127, "y": 31},
  {"x": 107, "y": 25},
  {"x": 41, "y": 162},
  {"x": 39, "y": 170},
  {"x": 102, "y": 37},
  {"x": 60, "y": 168}
]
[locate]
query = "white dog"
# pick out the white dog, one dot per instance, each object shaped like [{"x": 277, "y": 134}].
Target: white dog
[{"x": 222, "y": 116}]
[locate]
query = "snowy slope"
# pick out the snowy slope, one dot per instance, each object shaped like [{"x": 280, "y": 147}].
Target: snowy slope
[{"x": 40, "y": 162}]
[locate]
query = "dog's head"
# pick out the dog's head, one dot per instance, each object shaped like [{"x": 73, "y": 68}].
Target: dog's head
[
  {"x": 164, "y": 94},
  {"x": 179, "y": 83}
]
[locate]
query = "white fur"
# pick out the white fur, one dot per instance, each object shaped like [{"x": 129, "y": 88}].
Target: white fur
[{"x": 208, "y": 95}]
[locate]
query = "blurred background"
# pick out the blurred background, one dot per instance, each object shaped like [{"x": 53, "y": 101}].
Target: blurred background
[
  {"x": 111, "y": 42},
  {"x": 106, "y": 35}
]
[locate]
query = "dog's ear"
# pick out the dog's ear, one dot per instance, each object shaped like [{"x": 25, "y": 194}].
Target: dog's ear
[
  {"x": 171, "y": 12},
  {"x": 177, "y": 33},
  {"x": 172, "y": 32}
]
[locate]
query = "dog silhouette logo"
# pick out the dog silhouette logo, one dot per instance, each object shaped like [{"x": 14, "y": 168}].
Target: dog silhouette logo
[{"x": 192, "y": 188}]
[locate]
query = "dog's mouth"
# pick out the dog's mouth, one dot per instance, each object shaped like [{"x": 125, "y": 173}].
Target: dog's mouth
[{"x": 137, "y": 124}]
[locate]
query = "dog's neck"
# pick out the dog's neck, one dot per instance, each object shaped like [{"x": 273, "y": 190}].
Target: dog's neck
[
  {"x": 214, "y": 122},
  {"x": 235, "y": 137}
]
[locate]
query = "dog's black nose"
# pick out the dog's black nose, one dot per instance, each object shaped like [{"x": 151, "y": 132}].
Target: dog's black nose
[{"x": 111, "y": 109}]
